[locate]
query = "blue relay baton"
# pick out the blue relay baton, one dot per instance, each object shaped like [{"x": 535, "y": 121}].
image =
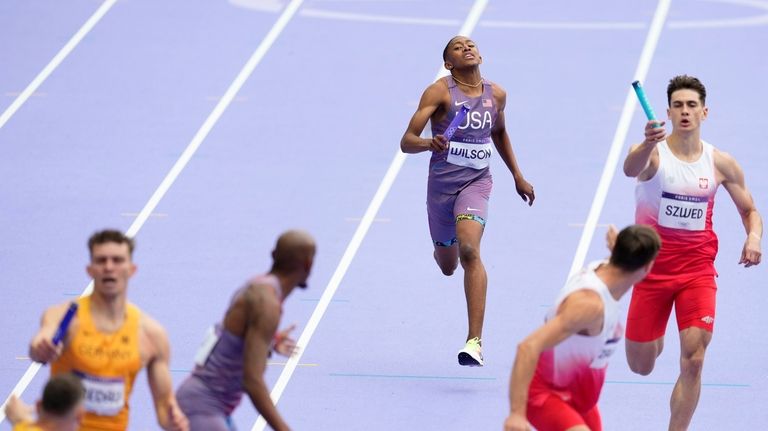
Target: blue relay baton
[
  {"x": 640, "y": 92},
  {"x": 61, "y": 331},
  {"x": 460, "y": 116}
]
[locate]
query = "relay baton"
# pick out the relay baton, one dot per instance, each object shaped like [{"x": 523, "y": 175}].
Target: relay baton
[
  {"x": 644, "y": 102},
  {"x": 62, "y": 330},
  {"x": 460, "y": 116}
]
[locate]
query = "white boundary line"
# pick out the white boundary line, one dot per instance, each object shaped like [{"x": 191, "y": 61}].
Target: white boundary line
[
  {"x": 749, "y": 21},
  {"x": 354, "y": 244},
  {"x": 659, "y": 18},
  {"x": 385, "y": 19},
  {"x": 192, "y": 147},
  {"x": 53, "y": 64}
]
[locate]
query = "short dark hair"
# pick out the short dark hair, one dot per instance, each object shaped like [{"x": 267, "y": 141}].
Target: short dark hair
[
  {"x": 62, "y": 394},
  {"x": 447, "y": 47},
  {"x": 110, "y": 235},
  {"x": 685, "y": 82},
  {"x": 635, "y": 247}
]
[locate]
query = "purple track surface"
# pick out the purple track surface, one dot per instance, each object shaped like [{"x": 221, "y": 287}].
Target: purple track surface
[{"x": 306, "y": 143}]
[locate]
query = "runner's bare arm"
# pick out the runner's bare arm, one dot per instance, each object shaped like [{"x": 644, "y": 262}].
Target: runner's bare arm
[
  {"x": 169, "y": 415},
  {"x": 16, "y": 411},
  {"x": 733, "y": 181},
  {"x": 41, "y": 348},
  {"x": 582, "y": 310},
  {"x": 258, "y": 337},
  {"x": 643, "y": 159},
  {"x": 504, "y": 147},
  {"x": 435, "y": 96}
]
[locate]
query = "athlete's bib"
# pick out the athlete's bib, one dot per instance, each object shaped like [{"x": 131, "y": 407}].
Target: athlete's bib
[
  {"x": 474, "y": 156},
  {"x": 601, "y": 361},
  {"x": 682, "y": 211},
  {"x": 103, "y": 396},
  {"x": 211, "y": 338}
]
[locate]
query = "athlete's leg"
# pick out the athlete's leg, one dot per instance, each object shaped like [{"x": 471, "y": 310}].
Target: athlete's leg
[
  {"x": 592, "y": 419},
  {"x": 649, "y": 311},
  {"x": 447, "y": 257},
  {"x": 202, "y": 408},
  {"x": 471, "y": 209},
  {"x": 641, "y": 357},
  {"x": 469, "y": 233},
  {"x": 685, "y": 396},
  {"x": 442, "y": 228},
  {"x": 695, "y": 310},
  {"x": 556, "y": 415},
  {"x": 210, "y": 423}
]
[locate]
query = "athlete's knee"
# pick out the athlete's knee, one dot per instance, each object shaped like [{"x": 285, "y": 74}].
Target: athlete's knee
[
  {"x": 641, "y": 358},
  {"x": 692, "y": 366},
  {"x": 694, "y": 342},
  {"x": 447, "y": 264},
  {"x": 468, "y": 253},
  {"x": 643, "y": 369},
  {"x": 643, "y": 366},
  {"x": 692, "y": 362},
  {"x": 448, "y": 268}
]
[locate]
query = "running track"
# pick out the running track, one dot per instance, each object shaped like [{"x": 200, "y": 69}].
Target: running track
[{"x": 306, "y": 142}]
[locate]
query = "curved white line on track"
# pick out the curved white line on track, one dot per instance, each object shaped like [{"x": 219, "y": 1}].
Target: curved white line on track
[
  {"x": 385, "y": 19},
  {"x": 751, "y": 21},
  {"x": 728, "y": 23},
  {"x": 565, "y": 25},
  {"x": 260, "y": 5}
]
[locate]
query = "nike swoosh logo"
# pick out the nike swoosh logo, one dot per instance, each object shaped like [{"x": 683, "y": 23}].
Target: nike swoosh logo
[
  {"x": 459, "y": 103},
  {"x": 473, "y": 209}
]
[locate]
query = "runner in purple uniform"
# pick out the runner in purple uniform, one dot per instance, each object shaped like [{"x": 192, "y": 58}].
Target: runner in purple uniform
[
  {"x": 460, "y": 182},
  {"x": 233, "y": 357}
]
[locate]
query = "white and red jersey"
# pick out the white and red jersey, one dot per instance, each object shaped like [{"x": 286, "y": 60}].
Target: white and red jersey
[
  {"x": 575, "y": 368},
  {"x": 678, "y": 203}
]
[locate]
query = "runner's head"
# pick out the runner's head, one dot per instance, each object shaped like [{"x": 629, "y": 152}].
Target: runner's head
[
  {"x": 461, "y": 52},
  {"x": 685, "y": 82},
  {"x": 635, "y": 250},
  {"x": 686, "y": 97},
  {"x": 63, "y": 402},
  {"x": 111, "y": 262},
  {"x": 294, "y": 255}
]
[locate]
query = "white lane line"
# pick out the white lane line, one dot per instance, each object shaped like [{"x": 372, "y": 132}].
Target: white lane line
[
  {"x": 169, "y": 179},
  {"x": 18, "y": 93},
  {"x": 53, "y": 64},
  {"x": 157, "y": 215},
  {"x": 378, "y": 220},
  {"x": 362, "y": 229},
  {"x": 651, "y": 40}
]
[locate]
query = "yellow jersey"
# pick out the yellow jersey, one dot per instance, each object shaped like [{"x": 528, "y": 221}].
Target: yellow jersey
[
  {"x": 106, "y": 363},
  {"x": 26, "y": 426}
]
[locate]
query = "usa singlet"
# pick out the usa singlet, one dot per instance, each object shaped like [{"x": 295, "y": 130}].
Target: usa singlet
[
  {"x": 469, "y": 152},
  {"x": 216, "y": 384}
]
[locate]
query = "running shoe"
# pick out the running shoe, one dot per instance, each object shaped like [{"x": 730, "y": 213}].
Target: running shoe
[{"x": 472, "y": 354}]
